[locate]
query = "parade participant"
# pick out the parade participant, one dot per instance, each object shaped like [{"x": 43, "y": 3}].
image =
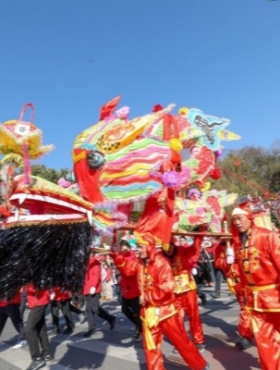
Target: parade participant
[
  {"x": 225, "y": 261},
  {"x": 92, "y": 290},
  {"x": 185, "y": 287},
  {"x": 158, "y": 312},
  {"x": 11, "y": 309},
  {"x": 127, "y": 263},
  {"x": 61, "y": 301},
  {"x": 195, "y": 267},
  {"x": 76, "y": 303},
  {"x": 35, "y": 329},
  {"x": 257, "y": 252}
]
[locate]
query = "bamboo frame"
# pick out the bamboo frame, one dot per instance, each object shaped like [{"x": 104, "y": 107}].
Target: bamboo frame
[{"x": 188, "y": 233}]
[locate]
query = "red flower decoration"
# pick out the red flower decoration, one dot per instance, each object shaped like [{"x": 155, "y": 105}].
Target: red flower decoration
[
  {"x": 157, "y": 108},
  {"x": 215, "y": 174}
]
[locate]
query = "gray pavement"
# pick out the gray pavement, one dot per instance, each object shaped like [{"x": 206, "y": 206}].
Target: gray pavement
[{"x": 116, "y": 350}]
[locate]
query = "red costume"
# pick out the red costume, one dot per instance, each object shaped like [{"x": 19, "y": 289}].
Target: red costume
[
  {"x": 15, "y": 300},
  {"x": 92, "y": 290},
  {"x": 35, "y": 329},
  {"x": 185, "y": 288},
  {"x": 36, "y": 297},
  {"x": 259, "y": 262},
  {"x": 93, "y": 276},
  {"x": 10, "y": 309},
  {"x": 232, "y": 274},
  {"x": 127, "y": 264},
  {"x": 60, "y": 295},
  {"x": 160, "y": 316}
]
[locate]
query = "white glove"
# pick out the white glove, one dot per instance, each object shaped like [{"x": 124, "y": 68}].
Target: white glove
[
  {"x": 52, "y": 295},
  {"x": 194, "y": 271},
  {"x": 230, "y": 260},
  {"x": 230, "y": 252},
  {"x": 92, "y": 290}
]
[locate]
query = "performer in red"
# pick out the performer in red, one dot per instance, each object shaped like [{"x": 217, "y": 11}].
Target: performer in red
[
  {"x": 92, "y": 290},
  {"x": 185, "y": 290},
  {"x": 11, "y": 309},
  {"x": 127, "y": 263},
  {"x": 225, "y": 261},
  {"x": 35, "y": 330},
  {"x": 61, "y": 301},
  {"x": 257, "y": 252},
  {"x": 158, "y": 312}
]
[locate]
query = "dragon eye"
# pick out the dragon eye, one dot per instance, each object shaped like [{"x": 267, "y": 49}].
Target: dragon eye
[{"x": 95, "y": 159}]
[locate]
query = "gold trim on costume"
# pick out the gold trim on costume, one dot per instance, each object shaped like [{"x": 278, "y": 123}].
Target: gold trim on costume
[
  {"x": 255, "y": 291},
  {"x": 48, "y": 222},
  {"x": 261, "y": 288},
  {"x": 244, "y": 251},
  {"x": 231, "y": 285},
  {"x": 184, "y": 283},
  {"x": 151, "y": 320}
]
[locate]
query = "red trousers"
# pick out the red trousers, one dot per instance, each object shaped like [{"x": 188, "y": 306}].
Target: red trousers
[
  {"x": 267, "y": 336},
  {"x": 244, "y": 323},
  {"x": 172, "y": 328},
  {"x": 187, "y": 302}
]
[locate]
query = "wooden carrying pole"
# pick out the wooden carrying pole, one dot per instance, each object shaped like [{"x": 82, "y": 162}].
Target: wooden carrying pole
[{"x": 188, "y": 233}]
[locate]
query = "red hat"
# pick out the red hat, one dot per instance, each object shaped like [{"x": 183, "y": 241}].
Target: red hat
[{"x": 155, "y": 224}]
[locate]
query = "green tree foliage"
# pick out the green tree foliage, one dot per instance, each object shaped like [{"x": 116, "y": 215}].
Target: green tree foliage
[
  {"x": 250, "y": 170},
  {"x": 49, "y": 173}
]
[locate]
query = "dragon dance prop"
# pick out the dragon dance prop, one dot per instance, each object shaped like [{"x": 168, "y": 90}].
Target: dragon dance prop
[
  {"x": 49, "y": 243},
  {"x": 117, "y": 162}
]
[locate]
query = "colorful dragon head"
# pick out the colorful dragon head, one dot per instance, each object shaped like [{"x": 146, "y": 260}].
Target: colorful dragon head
[{"x": 119, "y": 161}]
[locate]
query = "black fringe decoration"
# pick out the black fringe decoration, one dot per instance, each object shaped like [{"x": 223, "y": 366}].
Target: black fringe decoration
[{"x": 48, "y": 255}]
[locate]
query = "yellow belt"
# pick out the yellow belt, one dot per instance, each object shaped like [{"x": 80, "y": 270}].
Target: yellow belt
[{"x": 262, "y": 287}]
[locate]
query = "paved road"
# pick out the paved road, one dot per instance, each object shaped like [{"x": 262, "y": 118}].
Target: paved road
[{"x": 116, "y": 350}]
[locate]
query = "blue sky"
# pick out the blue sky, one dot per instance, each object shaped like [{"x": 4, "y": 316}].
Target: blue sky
[{"x": 70, "y": 57}]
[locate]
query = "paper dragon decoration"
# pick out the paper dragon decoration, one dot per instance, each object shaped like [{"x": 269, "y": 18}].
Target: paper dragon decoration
[
  {"x": 48, "y": 244},
  {"x": 117, "y": 162},
  {"x": 208, "y": 208}
]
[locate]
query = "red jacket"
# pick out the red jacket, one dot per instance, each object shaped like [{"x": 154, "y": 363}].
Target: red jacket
[
  {"x": 93, "y": 276},
  {"x": 15, "y": 300},
  {"x": 59, "y": 295},
  {"x": 37, "y": 297},
  {"x": 157, "y": 283},
  {"x": 259, "y": 264},
  {"x": 182, "y": 262},
  {"x": 127, "y": 264}
]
